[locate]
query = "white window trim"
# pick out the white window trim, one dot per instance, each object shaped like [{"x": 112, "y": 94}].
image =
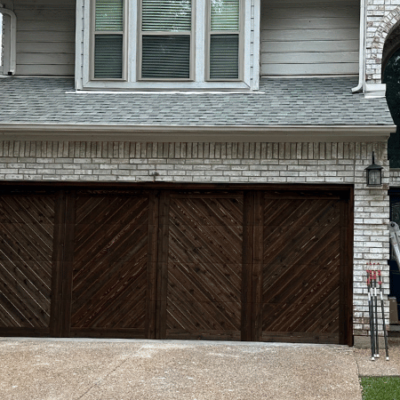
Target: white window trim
[
  {"x": 124, "y": 42},
  {"x": 240, "y": 34},
  {"x": 192, "y": 47},
  {"x": 9, "y": 40},
  {"x": 250, "y": 40}
]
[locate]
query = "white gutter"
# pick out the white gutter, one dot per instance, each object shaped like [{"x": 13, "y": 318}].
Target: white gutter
[
  {"x": 13, "y": 39},
  {"x": 361, "y": 70}
]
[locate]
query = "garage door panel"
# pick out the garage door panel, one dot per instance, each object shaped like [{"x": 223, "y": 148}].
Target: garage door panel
[
  {"x": 26, "y": 251},
  {"x": 204, "y": 264},
  {"x": 110, "y": 267},
  {"x": 302, "y": 265}
]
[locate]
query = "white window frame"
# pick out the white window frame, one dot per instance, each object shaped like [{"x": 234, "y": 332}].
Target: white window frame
[
  {"x": 142, "y": 33},
  {"x": 240, "y": 36},
  {"x": 249, "y": 78},
  {"x": 122, "y": 33}
]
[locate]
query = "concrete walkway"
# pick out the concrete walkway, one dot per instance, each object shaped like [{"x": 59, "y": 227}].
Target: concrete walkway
[{"x": 147, "y": 370}]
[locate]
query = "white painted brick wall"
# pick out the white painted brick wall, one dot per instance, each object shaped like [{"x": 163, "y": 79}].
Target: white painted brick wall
[{"x": 312, "y": 163}]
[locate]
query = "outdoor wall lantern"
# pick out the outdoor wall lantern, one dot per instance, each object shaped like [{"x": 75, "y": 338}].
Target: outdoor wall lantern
[{"x": 374, "y": 173}]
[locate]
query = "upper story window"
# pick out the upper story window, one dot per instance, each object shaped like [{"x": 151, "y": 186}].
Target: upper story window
[
  {"x": 168, "y": 44},
  {"x": 166, "y": 39},
  {"x": 109, "y": 37}
]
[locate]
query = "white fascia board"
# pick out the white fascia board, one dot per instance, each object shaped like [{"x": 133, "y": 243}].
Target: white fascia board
[{"x": 243, "y": 133}]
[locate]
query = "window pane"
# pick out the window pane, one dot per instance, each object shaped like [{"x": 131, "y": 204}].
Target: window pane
[
  {"x": 224, "y": 57},
  {"x": 166, "y": 57},
  {"x": 109, "y": 15},
  {"x": 224, "y": 15},
  {"x": 108, "y": 56},
  {"x": 166, "y": 15}
]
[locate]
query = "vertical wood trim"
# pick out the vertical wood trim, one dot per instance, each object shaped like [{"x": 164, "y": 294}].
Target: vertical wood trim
[
  {"x": 247, "y": 267},
  {"x": 58, "y": 257},
  {"x": 346, "y": 270},
  {"x": 68, "y": 261},
  {"x": 152, "y": 265},
  {"x": 162, "y": 265},
  {"x": 258, "y": 256}
]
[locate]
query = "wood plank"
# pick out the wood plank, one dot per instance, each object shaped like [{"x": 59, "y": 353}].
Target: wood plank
[
  {"x": 258, "y": 258},
  {"x": 247, "y": 271},
  {"x": 68, "y": 260},
  {"x": 151, "y": 297},
  {"x": 56, "y": 327},
  {"x": 162, "y": 265}
]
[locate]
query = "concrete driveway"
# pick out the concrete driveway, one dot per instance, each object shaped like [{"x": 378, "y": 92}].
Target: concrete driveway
[{"x": 88, "y": 369}]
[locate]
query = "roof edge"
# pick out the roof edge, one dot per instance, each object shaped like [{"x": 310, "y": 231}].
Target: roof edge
[{"x": 236, "y": 133}]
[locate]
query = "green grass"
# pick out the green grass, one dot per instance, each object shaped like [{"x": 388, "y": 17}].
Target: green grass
[{"x": 381, "y": 388}]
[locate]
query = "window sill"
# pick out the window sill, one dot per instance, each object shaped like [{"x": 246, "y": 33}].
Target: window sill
[{"x": 165, "y": 86}]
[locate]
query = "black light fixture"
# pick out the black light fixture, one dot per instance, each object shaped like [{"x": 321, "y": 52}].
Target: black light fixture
[{"x": 374, "y": 173}]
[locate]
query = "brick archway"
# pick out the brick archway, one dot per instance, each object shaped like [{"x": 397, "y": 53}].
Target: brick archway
[{"x": 389, "y": 23}]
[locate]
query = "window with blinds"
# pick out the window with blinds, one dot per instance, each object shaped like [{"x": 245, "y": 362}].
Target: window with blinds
[
  {"x": 224, "y": 39},
  {"x": 166, "y": 39},
  {"x": 108, "y": 43}
]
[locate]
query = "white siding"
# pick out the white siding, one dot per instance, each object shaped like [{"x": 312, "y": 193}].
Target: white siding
[
  {"x": 309, "y": 37},
  {"x": 45, "y": 37}
]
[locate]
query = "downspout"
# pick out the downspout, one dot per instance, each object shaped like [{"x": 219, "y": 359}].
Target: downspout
[
  {"x": 361, "y": 69},
  {"x": 13, "y": 39}
]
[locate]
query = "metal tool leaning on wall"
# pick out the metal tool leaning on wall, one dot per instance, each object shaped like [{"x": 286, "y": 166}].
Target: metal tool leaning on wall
[{"x": 374, "y": 285}]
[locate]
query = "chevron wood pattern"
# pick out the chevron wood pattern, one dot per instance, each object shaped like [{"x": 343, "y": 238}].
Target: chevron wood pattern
[
  {"x": 301, "y": 271},
  {"x": 26, "y": 248},
  {"x": 109, "y": 280},
  {"x": 215, "y": 263},
  {"x": 205, "y": 266}
]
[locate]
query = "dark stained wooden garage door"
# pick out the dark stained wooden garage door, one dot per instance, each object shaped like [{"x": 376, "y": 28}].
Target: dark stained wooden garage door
[{"x": 266, "y": 265}]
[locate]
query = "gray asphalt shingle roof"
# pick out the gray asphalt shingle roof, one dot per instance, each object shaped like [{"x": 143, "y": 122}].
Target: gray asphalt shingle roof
[{"x": 299, "y": 101}]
